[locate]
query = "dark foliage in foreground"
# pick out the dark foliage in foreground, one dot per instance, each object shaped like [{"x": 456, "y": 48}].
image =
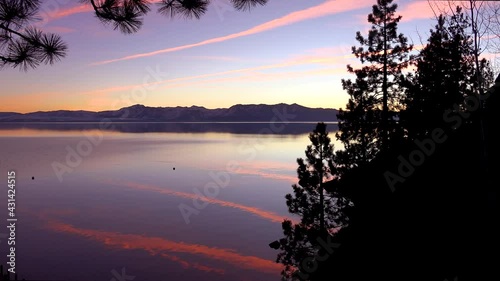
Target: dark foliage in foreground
[{"x": 424, "y": 207}]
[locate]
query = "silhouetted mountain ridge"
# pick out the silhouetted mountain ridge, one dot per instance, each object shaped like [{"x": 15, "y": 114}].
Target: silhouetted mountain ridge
[{"x": 140, "y": 113}]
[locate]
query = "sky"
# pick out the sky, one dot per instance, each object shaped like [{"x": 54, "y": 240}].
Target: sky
[{"x": 292, "y": 51}]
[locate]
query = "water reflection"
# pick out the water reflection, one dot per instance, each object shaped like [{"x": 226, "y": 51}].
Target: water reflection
[
  {"x": 148, "y": 127},
  {"x": 119, "y": 207}
]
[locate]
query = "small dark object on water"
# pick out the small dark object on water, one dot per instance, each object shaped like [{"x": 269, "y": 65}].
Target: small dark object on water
[
  {"x": 174, "y": 168},
  {"x": 32, "y": 178},
  {"x": 275, "y": 245}
]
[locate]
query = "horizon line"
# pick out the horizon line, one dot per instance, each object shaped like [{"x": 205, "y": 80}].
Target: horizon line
[{"x": 178, "y": 106}]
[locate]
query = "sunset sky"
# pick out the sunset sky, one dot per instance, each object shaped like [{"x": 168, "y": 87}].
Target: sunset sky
[{"x": 292, "y": 51}]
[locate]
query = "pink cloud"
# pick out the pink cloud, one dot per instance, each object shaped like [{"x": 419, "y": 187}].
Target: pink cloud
[
  {"x": 328, "y": 56},
  {"x": 216, "y": 58},
  {"x": 329, "y": 7},
  {"x": 416, "y": 10},
  {"x": 65, "y": 12}
]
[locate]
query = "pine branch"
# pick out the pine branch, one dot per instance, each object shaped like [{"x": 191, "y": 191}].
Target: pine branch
[{"x": 31, "y": 48}]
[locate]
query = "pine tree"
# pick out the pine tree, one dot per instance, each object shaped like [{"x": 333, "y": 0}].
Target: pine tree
[
  {"x": 445, "y": 76},
  {"x": 320, "y": 212},
  {"x": 377, "y": 92}
]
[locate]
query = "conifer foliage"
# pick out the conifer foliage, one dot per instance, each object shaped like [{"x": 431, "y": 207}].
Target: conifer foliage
[
  {"x": 321, "y": 212},
  {"x": 445, "y": 75},
  {"x": 376, "y": 94}
]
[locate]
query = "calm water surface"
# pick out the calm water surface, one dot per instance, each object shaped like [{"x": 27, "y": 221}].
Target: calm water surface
[{"x": 107, "y": 204}]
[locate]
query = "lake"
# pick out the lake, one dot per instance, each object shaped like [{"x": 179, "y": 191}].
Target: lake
[{"x": 149, "y": 201}]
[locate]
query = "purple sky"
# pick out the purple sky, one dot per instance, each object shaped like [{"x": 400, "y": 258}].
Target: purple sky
[{"x": 292, "y": 51}]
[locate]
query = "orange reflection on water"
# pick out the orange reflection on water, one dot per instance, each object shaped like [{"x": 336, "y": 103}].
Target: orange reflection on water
[
  {"x": 251, "y": 171},
  {"x": 268, "y": 170},
  {"x": 186, "y": 264},
  {"x": 160, "y": 246},
  {"x": 253, "y": 210}
]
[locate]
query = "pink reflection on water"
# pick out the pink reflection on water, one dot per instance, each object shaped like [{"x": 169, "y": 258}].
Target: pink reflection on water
[
  {"x": 271, "y": 216},
  {"x": 162, "y": 247}
]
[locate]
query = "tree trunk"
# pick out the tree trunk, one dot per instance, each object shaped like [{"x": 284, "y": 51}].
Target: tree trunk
[
  {"x": 479, "y": 80},
  {"x": 321, "y": 196},
  {"x": 385, "y": 109}
]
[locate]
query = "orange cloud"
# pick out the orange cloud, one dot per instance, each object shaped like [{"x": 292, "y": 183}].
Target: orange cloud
[
  {"x": 323, "y": 56},
  {"x": 47, "y": 100},
  {"x": 101, "y": 102},
  {"x": 260, "y": 77},
  {"x": 329, "y": 7},
  {"x": 158, "y": 246},
  {"x": 271, "y": 216},
  {"x": 326, "y": 56},
  {"x": 180, "y": 79},
  {"x": 97, "y": 101}
]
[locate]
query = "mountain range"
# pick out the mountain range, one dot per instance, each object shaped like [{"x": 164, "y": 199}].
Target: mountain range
[{"x": 140, "y": 113}]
